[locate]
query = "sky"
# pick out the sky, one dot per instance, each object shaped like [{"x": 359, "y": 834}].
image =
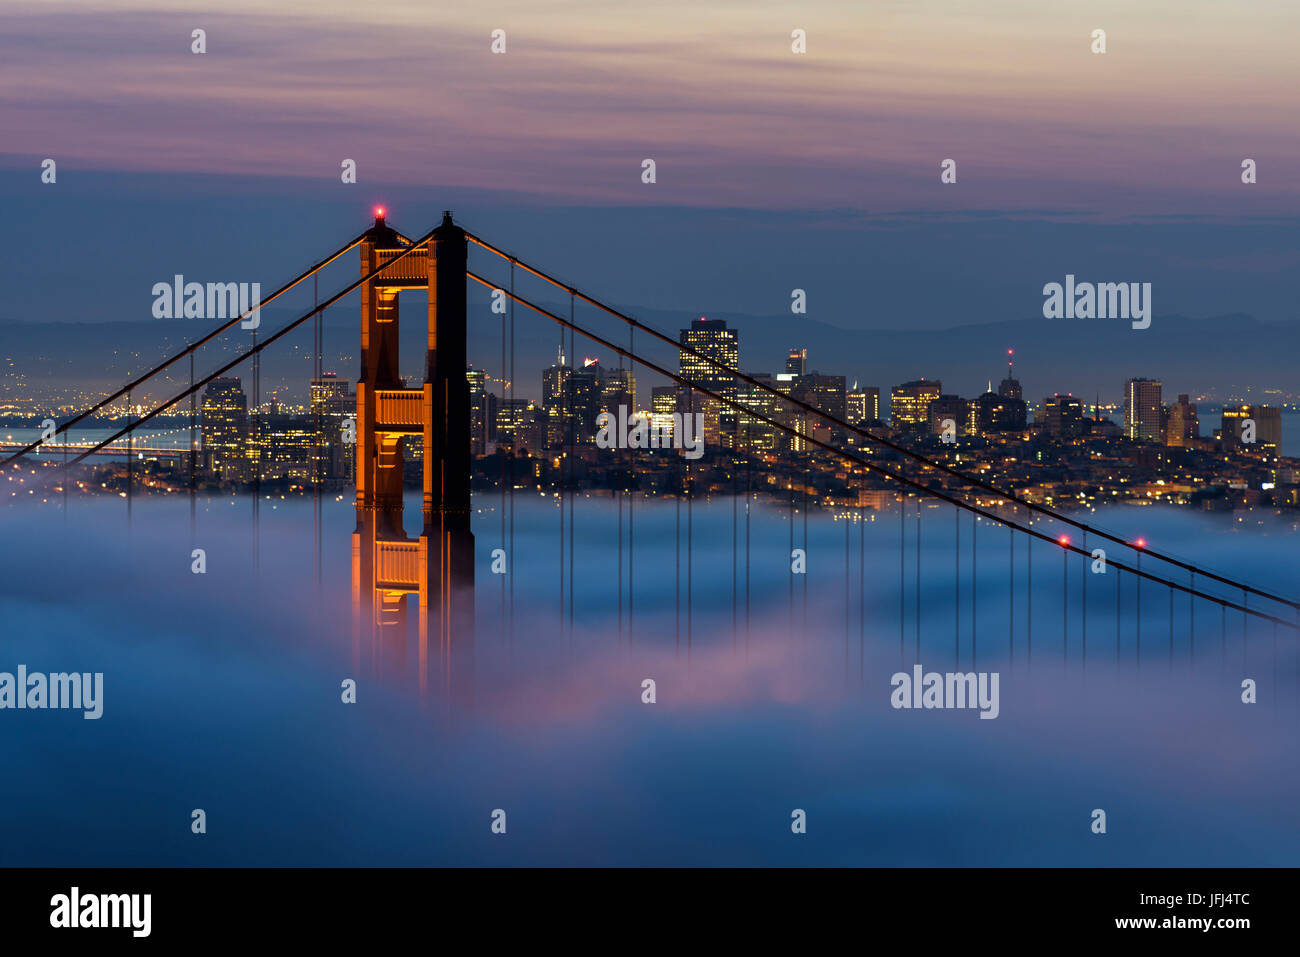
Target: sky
[{"x": 774, "y": 170}]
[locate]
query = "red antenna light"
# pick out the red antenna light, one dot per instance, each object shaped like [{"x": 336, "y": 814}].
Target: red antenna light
[
  {"x": 1141, "y": 543},
  {"x": 1064, "y": 539},
  {"x": 379, "y": 212}
]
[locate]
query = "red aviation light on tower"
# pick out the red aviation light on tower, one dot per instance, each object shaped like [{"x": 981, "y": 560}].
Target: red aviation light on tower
[
  {"x": 379, "y": 212},
  {"x": 1064, "y": 541},
  {"x": 1141, "y": 543}
]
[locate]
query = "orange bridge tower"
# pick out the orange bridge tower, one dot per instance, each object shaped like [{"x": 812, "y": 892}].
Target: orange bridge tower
[{"x": 438, "y": 565}]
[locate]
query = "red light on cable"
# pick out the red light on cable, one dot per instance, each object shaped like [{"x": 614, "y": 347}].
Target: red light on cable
[
  {"x": 1141, "y": 543},
  {"x": 1064, "y": 540}
]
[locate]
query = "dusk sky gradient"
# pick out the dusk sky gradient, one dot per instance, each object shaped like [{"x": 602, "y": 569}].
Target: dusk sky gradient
[{"x": 1127, "y": 162}]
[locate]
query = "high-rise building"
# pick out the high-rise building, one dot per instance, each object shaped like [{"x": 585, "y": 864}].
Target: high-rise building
[
  {"x": 826, "y": 392},
  {"x": 663, "y": 403},
  {"x": 946, "y": 407},
  {"x": 993, "y": 414},
  {"x": 713, "y": 340},
  {"x": 555, "y": 395},
  {"x": 478, "y": 418},
  {"x": 855, "y": 406},
  {"x": 1182, "y": 428},
  {"x": 1142, "y": 410},
  {"x": 285, "y": 444},
  {"x": 224, "y": 429},
  {"x": 1064, "y": 417},
  {"x": 862, "y": 404},
  {"x": 1002, "y": 411},
  {"x": 909, "y": 403},
  {"x": 756, "y": 434},
  {"x": 1009, "y": 388},
  {"x": 331, "y": 404},
  {"x": 1238, "y": 420},
  {"x": 719, "y": 350},
  {"x": 796, "y": 362},
  {"x": 553, "y": 380},
  {"x": 618, "y": 387},
  {"x": 520, "y": 425},
  {"x": 582, "y": 402},
  {"x": 719, "y": 423}
]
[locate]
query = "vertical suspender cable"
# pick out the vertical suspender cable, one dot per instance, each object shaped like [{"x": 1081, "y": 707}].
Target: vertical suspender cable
[
  {"x": 1011, "y": 598},
  {"x": 491, "y": 427},
  {"x": 690, "y": 545},
  {"x": 514, "y": 445},
  {"x": 130, "y": 458},
  {"x": 917, "y": 594},
  {"x": 193, "y": 453},
  {"x": 631, "y": 502},
  {"x": 571, "y": 483}
]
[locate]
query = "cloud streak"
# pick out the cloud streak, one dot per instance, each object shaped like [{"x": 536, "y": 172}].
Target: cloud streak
[{"x": 730, "y": 115}]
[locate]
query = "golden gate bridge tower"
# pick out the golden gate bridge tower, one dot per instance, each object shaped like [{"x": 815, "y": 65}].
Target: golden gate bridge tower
[{"x": 438, "y": 565}]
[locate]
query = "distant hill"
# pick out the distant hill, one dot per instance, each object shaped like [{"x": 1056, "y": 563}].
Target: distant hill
[{"x": 1224, "y": 356}]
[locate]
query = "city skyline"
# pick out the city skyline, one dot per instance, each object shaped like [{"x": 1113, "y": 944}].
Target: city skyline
[{"x": 243, "y": 443}]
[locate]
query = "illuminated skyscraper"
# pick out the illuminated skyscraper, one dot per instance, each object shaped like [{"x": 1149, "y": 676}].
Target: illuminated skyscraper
[
  {"x": 521, "y": 425},
  {"x": 478, "y": 419},
  {"x": 909, "y": 403},
  {"x": 554, "y": 393},
  {"x": 663, "y": 403},
  {"x": 757, "y": 435},
  {"x": 796, "y": 363},
  {"x": 331, "y": 404},
  {"x": 1143, "y": 410},
  {"x": 617, "y": 387},
  {"x": 582, "y": 403},
  {"x": 224, "y": 429},
  {"x": 862, "y": 405},
  {"x": 712, "y": 339},
  {"x": 553, "y": 380},
  {"x": 823, "y": 392},
  {"x": 285, "y": 444}
]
